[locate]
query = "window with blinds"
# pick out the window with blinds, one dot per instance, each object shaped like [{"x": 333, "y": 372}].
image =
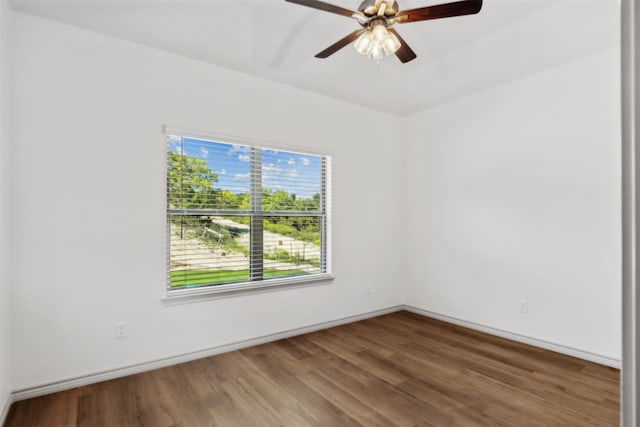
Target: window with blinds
[{"x": 241, "y": 216}]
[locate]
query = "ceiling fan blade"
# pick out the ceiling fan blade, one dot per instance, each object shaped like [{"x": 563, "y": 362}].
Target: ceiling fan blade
[
  {"x": 447, "y": 10},
  {"x": 339, "y": 44},
  {"x": 405, "y": 53},
  {"x": 324, "y": 6}
]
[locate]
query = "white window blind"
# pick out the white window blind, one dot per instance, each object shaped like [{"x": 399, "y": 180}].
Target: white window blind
[{"x": 241, "y": 214}]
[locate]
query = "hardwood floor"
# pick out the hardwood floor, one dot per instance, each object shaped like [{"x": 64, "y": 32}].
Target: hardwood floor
[{"x": 395, "y": 370}]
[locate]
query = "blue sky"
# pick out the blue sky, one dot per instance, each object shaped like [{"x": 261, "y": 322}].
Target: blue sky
[{"x": 294, "y": 173}]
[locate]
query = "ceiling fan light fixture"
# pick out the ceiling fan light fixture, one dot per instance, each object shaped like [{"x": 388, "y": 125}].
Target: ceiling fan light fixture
[{"x": 376, "y": 42}]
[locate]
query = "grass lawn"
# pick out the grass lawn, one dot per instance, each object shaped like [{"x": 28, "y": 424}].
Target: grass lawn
[{"x": 196, "y": 278}]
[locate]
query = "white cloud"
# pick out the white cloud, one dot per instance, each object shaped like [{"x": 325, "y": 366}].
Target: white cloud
[
  {"x": 244, "y": 157},
  {"x": 242, "y": 176},
  {"x": 243, "y": 149},
  {"x": 271, "y": 168},
  {"x": 304, "y": 161},
  {"x": 204, "y": 152},
  {"x": 221, "y": 172},
  {"x": 291, "y": 162}
]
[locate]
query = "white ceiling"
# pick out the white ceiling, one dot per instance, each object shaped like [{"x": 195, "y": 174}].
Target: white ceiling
[{"x": 275, "y": 40}]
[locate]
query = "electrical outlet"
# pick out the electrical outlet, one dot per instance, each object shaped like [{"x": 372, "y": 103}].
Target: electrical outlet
[
  {"x": 121, "y": 331},
  {"x": 523, "y": 306}
]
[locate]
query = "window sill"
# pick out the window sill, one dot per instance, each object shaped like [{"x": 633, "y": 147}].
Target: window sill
[{"x": 244, "y": 288}]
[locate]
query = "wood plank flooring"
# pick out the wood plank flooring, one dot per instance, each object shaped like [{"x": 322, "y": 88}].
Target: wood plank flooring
[{"x": 399, "y": 369}]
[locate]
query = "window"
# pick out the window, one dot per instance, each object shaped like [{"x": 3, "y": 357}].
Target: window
[{"x": 241, "y": 216}]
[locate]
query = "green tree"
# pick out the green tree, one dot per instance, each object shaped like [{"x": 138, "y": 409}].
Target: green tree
[
  {"x": 190, "y": 182},
  {"x": 308, "y": 204},
  {"x": 243, "y": 201},
  {"x": 225, "y": 199},
  {"x": 282, "y": 201}
]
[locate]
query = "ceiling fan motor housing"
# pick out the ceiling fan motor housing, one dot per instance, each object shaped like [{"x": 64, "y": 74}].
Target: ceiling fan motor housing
[{"x": 370, "y": 7}]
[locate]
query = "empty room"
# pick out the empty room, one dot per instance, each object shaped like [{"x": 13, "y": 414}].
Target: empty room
[{"x": 292, "y": 213}]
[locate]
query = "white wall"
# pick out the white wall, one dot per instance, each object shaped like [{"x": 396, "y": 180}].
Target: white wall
[
  {"x": 88, "y": 194},
  {"x": 5, "y": 314},
  {"x": 516, "y": 194}
]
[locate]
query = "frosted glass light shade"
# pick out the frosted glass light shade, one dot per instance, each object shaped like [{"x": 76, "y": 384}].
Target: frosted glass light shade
[
  {"x": 391, "y": 44},
  {"x": 364, "y": 43}
]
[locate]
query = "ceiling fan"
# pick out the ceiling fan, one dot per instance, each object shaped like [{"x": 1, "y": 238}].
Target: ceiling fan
[{"x": 377, "y": 37}]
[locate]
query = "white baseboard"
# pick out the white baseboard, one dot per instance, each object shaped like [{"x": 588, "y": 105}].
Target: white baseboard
[
  {"x": 54, "y": 387},
  {"x": 173, "y": 360},
  {"x": 5, "y": 409},
  {"x": 558, "y": 348}
]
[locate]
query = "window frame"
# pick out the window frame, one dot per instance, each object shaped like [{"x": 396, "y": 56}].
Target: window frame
[{"x": 256, "y": 281}]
